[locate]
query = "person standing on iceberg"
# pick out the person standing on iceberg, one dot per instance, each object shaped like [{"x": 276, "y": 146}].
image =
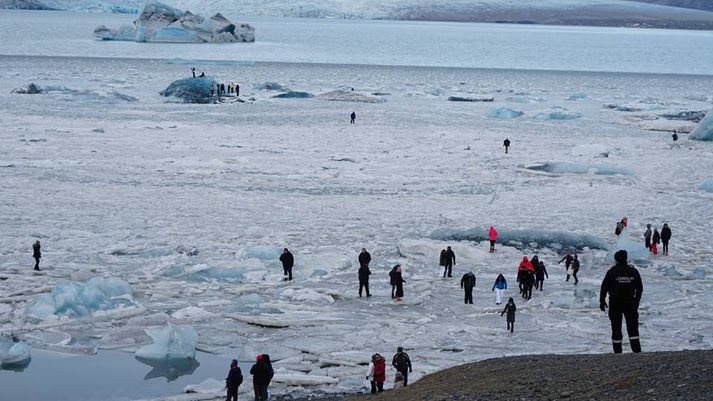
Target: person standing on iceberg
[
  {"x": 402, "y": 363},
  {"x": 647, "y": 237},
  {"x": 364, "y": 272},
  {"x": 352, "y": 116},
  {"x": 567, "y": 259},
  {"x": 499, "y": 287},
  {"x": 37, "y": 254},
  {"x": 397, "y": 283},
  {"x": 575, "y": 269},
  {"x": 492, "y": 236},
  {"x": 623, "y": 285},
  {"x": 510, "y": 309},
  {"x": 450, "y": 260},
  {"x": 655, "y": 241},
  {"x": 287, "y": 262},
  {"x": 233, "y": 381},
  {"x": 467, "y": 283},
  {"x": 665, "y": 237},
  {"x": 261, "y": 378},
  {"x": 506, "y": 144}
]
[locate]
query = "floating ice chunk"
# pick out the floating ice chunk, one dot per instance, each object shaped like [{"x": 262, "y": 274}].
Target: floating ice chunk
[
  {"x": 538, "y": 238},
  {"x": 207, "y": 386},
  {"x": 271, "y": 86},
  {"x": 294, "y": 95},
  {"x": 558, "y": 113},
  {"x": 192, "y": 313},
  {"x": 161, "y": 23},
  {"x": 470, "y": 99},
  {"x": 191, "y": 90},
  {"x": 13, "y": 351},
  {"x": 297, "y": 379},
  {"x": 636, "y": 250},
  {"x": 704, "y": 130},
  {"x": 82, "y": 299},
  {"x": 524, "y": 99},
  {"x": 170, "y": 343},
  {"x": 578, "y": 168},
  {"x": 344, "y": 95},
  {"x": 30, "y": 89},
  {"x": 247, "y": 303},
  {"x": 204, "y": 272},
  {"x": 504, "y": 113},
  {"x": 578, "y": 97},
  {"x": 264, "y": 252},
  {"x": 707, "y": 185},
  {"x": 591, "y": 150}
]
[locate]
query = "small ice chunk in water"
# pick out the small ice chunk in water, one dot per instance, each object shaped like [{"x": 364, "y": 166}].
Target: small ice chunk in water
[
  {"x": 13, "y": 352},
  {"x": 170, "y": 343}
]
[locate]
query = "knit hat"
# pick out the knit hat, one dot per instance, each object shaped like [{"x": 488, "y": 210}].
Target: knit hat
[{"x": 621, "y": 256}]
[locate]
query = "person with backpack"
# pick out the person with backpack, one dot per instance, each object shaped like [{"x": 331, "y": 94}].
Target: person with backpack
[
  {"x": 397, "y": 283},
  {"x": 665, "y": 238},
  {"x": 540, "y": 274},
  {"x": 402, "y": 363},
  {"x": 499, "y": 287},
  {"x": 450, "y": 257},
  {"x": 467, "y": 283},
  {"x": 510, "y": 318},
  {"x": 288, "y": 261},
  {"x": 623, "y": 285},
  {"x": 377, "y": 373},
  {"x": 492, "y": 236},
  {"x": 655, "y": 241},
  {"x": 647, "y": 237},
  {"x": 233, "y": 381}
]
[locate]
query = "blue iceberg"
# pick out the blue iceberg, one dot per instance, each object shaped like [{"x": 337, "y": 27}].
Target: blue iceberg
[
  {"x": 558, "y": 113},
  {"x": 635, "y": 249},
  {"x": 704, "y": 130},
  {"x": 81, "y": 299},
  {"x": 504, "y": 113},
  {"x": 13, "y": 352},
  {"x": 707, "y": 185},
  {"x": 170, "y": 343},
  {"x": 191, "y": 90},
  {"x": 524, "y": 238},
  {"x": 578, "y": 168}
]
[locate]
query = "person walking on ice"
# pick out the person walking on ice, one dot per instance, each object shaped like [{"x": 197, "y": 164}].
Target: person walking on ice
[
  {"x": 364, "y": 272},
  {"x": 647, "y": 237},
  {"x": 402, "y": 363},
  {"x": 665, "y": 238},
  {"x": 233, "y": 381},
  {"x": 353, "y": 117},
  {"x": 510, "y": 311},
  {"x": 567, "y": 259},
  {"x": 397, "y": 282},
  {"x": 450, "y": 260},
  {"x": 655, "y": 241},
  {"x": 575, "y": 269},
  {"x": 467, "y": 283},
  {"x": 288, "y": 261},
  {"x": 540, "y": 274},
  {"x": 37, "y": 254},
  {"x": 623, "y": 285},
  {"x": 506, "y": 144},
  {"x": 499, "y": 287},
  {"x": 492, "y": 236}
]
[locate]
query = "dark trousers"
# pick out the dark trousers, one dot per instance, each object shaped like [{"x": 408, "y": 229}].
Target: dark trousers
[
  {"x": 665, "y": 247},
  {"x": 506, "y": 149},
  {"x": 511, "y": 326},
  {"x": 393, "y": 291},
  {"x": 288, "y": 271},
  {"x": 631, "y": 314},
  {"x": 232, "y": 394},
  {"x": 259, "y": 390},
  {"x": 377, "y": 386},
  {"x": 405, "y": 374},
  {"x": 37, "y": 263},
  {"x": 540, "y": 283},
  {"x": 492, "y": 243},
  {"x": 469, "y": 295},
  {"x": 352, "y": 120},
  {"x": 647, "y": 243},
  {"x": 448, "y": 268},
  {"x": 365, "y": 285}
]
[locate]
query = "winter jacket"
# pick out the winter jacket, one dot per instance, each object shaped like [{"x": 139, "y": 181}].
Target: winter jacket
[
  {"x": 501, "y": 285},
  {"x": 656, "y": 239},
  {"x": 235, "y": 378},
  {"x": 36, "y": 251},
  {"x": 647, "y": 233},
  {"x": 364, "y": 273},
  {"x": 623, "y": 284},
  {"x": 468, "y": 281},
  {"x": 510, "y": 311},
  {"x": 364, "y": 258},
  {"x": 567, "y": 259},
  {"x": 401, "y": 362},
  {"x": 262, "y": 374},
  {"x": 575, "y": 265},
  {"x": 541, "y": 271},
  {"x": 450, "y": 257},
  {"x": 442, "y": 259},
  {"x": 665, "y": 234},
  {"x": 396, "y": 278},
  {"x": 525, "y": 265},
  {"x": 492, "y": 234},
  {"x": 378, "y": 372},
  {"x": 287, "y": 259}
]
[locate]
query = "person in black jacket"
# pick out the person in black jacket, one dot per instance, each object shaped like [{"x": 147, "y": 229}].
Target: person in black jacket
[
  {"x": 352, "y": 117},
  {"x": 506, "y": 143},
  {"x": 575, "y": 269},
  {"x": 287, "y": 262},
  {"x": 37, "y": 254},
  {"x": 233, "y": 381},
  {"x": 623, "y": 284},
  {"x": 402, "y": 363},
  {"x": 665, "y": 237},
  {"x": 442, "y": 258},
  {"x": 510, "y": 309},
  {"x": 364, "y": 272},
  {"x": 397, "y": 282},
  {"x": 450, "y": 257},
  {"x": 262, "y": 374},
  {"x": 567, "y": 259},
  {"x": 540, "y": 274},
  {"x": 467, "y": 283}
]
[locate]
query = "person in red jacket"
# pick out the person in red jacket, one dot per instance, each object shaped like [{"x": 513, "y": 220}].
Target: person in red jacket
[
  {"x": 525, "y": 272},
  {"x": 492, "y": 236},
  {"x": 377, "y": 373}
]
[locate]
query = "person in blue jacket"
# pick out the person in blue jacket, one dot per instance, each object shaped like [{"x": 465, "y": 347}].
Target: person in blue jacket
[{"x": 499, "y": 287}]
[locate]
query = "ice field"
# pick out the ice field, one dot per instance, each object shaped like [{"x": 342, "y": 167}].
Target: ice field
[{"x": 191, "y": 204}]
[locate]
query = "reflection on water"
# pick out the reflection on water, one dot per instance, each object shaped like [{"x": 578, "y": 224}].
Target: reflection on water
[
  {"x": 171, "y": 370},
  {"x": 16, "y": 367}
]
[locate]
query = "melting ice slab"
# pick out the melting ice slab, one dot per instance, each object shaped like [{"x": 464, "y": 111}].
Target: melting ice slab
[
  {"x": 13, "y": 352},
  {"x": 165, "y": 24},
  {"x": 704, "y": 130},
  {"x": 170, "y": 343}
]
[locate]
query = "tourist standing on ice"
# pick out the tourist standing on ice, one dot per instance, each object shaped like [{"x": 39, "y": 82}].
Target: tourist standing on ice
[
  {"x": 442, "y": 259},
  {"x": 623, "y": 284},
  {"x": 467, "y": 283},
  {"x": 655, "y": 241},
  {"x": 567, "y": 259},
  {"x": 674, "y": 136},
  {"x": 575, "y": 269},
  {"x": 353, "y": 117},
  {"x": 377, "y": 373},
  {"x": 193, "y": 71},
  {"x": 402, "y": 363},
  {"x": 647, "y": 237},
  {"x": 534, "y": 262},
  {"x": 261, "y": 378},
  {"x": 37, "y": 254},
  {"x": 364, "y": 272},
  {"x": 665, "y": 237},
  {"x": 287, "y": 262},
  {"x": 510, "y": 310},
  {"x": 506, "y": 143},
  {"x": 234, "y": 379},
  {"x": 237, "y": 89},
  {"x": 540, "y": 274},
  {"x": 499, "y": 287},
  {"x": 492, "y": 236},
  {"x": 450, "y": 257},
  {"x": 397, "y": 282},
  {"x": 270, "y": 374}
]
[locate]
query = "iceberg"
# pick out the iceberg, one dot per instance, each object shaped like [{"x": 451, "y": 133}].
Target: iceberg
[
  {"x": 704, "y": 130},
  {"x": 13, "y": 352},
  {"x": 707, "y": 185},
  {"x": 344, "y": 95},
  {"x": 578, "y": 168},
  {"x": 504, "y": 113},
  {"x": 191, "y": 90},
  {"x": 31, "y": 89},
  {"x": 81, "y": 299},
  {"x": 271, "y": 86},
  {"x": 540, "y": 238},
  {"x": 161, "y": 23},
  {"x": 636, "y": 250},
  {"x": 294, "y": 95},
  {"x": 170, "y": 343},
  {"x": 558, "y": 114}
]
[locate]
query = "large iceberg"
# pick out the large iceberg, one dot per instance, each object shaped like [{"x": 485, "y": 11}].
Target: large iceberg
[
  {"x": 191, "y": 90},
  {"x": 161, "y": 23},
  {"x": 524, "y": 238},
  {"x": 170, "y": 343},
  {"x": 704, "y": 130},
  {"x": 13, "y": 352},
  {"x": 81, "y": 299}
]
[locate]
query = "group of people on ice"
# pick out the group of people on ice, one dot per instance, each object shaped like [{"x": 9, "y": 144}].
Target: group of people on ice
[
  {"x": 652, "y": 238},
  {"x": 377, "y": 370}
]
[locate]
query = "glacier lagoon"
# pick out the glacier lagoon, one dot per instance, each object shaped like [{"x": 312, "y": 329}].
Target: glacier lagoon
[{"x": 191, "y": 203}]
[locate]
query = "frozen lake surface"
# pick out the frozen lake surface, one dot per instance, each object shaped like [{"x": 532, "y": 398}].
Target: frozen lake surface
[{"x": 117, "y": 181}]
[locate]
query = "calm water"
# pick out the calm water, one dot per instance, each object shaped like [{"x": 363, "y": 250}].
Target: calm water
[{"x": 383, "y": 43}]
